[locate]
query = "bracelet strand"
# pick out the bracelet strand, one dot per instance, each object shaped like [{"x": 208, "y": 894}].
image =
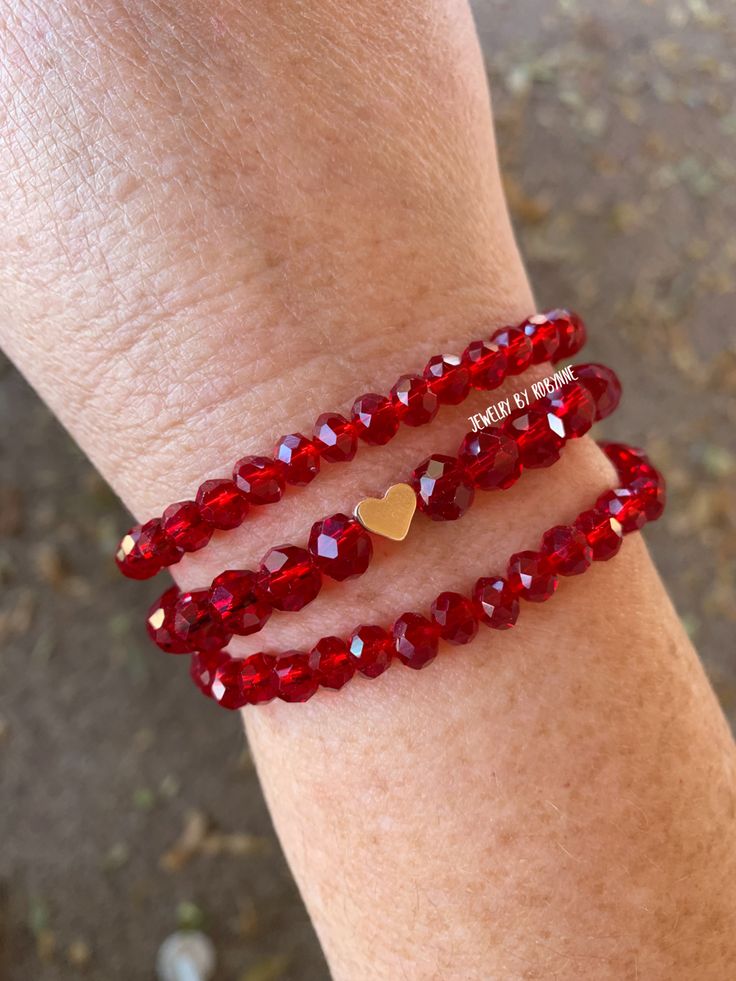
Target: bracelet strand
[
  {"x": 533, "y": 576},
  {"x": 241, "y": 601},
  {"x": 222, "y": 504}
]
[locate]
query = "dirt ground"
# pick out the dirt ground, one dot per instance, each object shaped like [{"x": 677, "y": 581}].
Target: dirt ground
[{"x": 128, "y": 806}]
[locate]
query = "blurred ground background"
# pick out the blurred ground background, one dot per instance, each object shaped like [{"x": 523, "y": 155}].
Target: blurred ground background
[{"x": 128, "y": 806}]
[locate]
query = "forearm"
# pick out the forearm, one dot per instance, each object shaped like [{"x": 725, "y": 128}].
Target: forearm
[{"x": 261, "y": 214}]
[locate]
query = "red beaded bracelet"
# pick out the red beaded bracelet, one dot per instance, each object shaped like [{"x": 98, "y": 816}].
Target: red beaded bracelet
[
  {"x": 241, "y": 601},
  {"x": 566, "y": 550},
  {"x": 222, "y": 504}
]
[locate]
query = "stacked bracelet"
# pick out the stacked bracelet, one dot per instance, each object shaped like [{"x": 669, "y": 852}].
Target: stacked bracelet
[
  {"x": 201, "y": 622},
  {"x": 223, "y": 504}
]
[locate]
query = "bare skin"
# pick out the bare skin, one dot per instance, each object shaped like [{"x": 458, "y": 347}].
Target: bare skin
[{"x": 220, "y": 220}]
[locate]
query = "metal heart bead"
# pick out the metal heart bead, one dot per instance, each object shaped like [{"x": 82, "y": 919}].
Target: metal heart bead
[{"x": 390, "y": 515}]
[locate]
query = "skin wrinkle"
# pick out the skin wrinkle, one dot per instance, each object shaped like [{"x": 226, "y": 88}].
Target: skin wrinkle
[{"x": 224, "y": 219}]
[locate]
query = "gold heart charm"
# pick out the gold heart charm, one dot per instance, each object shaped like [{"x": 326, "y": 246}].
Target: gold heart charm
[{"x": 389, "y": 515}]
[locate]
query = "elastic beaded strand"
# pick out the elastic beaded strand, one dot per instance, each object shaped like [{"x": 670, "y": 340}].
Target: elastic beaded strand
[
  {"x": 532, "y": 576},
  {"x": 339, "y": 548},
  {"x": 222, "y": 504}
]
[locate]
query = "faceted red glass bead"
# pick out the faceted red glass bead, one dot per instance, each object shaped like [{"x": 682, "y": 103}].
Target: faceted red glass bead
[
  {"x": 543, "y": 334},
  {"x": 375, "y": 419},
  {"x": 288, "y": 578},
  {"x": 195, "y": 625},
  {"x": 486, "y": 363},
  {"x": 260, "y": 478},
  {"x": 238, "y": 601},
  {"x": 448, "y": 378},
  {"x": 335, "y": 438},
  {"x": 650, "y": 490},
  {"x": 372, "y": 648},
  {"x": 530, "y": 577},
  {"x": 296, "y": 680},
  {"x": 145, "y": 550},
  {"x": 415, "y": 640},
  {"x": 227, "y": 687},
  {"x": 625, "y": 506},
  {"x": 160, "y": 624},
  {"x": 221, "y": 504},
  {"x": 444, "y": 491},
  {"x": 203, "y": 666},
  {"x": 496, "y": 602},
  {"x": 490, "y": 458},
  {"x": 602, "y": 384},
  {"x": 567, "y": 550},
  {"x": 413, "y": 400},
  {"x": 259, "y": 680},
  {"x": 332, "y": 662},
  {"x": 571, "y": 332},
  {"x": 538, "y": 433},
  {"x": 603, "y": 533},
  {"x": 340, "y": 547},
  {"x": 629, "y": 462},
  {"x": 185, "y": 526},
  {"x": 455, "y": 617},
  {"x": 518, "y": 348},
  {"x": 575, "y": 407},
  {"x": 300, "y": 458}
]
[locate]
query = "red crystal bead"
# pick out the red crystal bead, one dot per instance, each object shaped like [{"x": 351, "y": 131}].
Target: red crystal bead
[
  {"x": 203, "y": 667},
  {"x": 448, "y": 378},
  {"x": 571, "y": 332},
  {"x": 575, "y": 407},
  {"x": 241, "y": 606},
  {"x": 332, "y": 663},
  {"x": 543, "y": 334},
  {"x": 629, "y": 462},
  {"x": 602, "y": 384},
  {"x": 455, "y": 617},
  {"x": 372, "y": 649},
  {"x": 185, "y": 526},
  {"x": 567, "y": 550},
  {"x": 227, "y": 686},
  {"x": 444, "y": 491},
  {"x": 375, "y": 419},
  {"x": 145, "y": 550},
  {"x": 335, "y": 438},
  {"x": 538, "y": 433},
  {"x": 195, "y": 625},
  {"x": 650, "y": 490},
  {"x": 490, "y": 458},
  {"x": 300, "y": 458},
  {"x": 260, "y": 478},
  {"x": 288, "y": 578},
  {"x": 340, "y": 547},
  {"x": 413, "y": 400},
  {"x": 486, "y": 363},
  {"x": 530, "y": 577},
  {"x": 415, "y": 640},
  {"x": 221, "y": 504},
  {"x": 518, "y": 348},
  {"x": 602, "y": 532},
  {"x": 625, "y": 506},
  {"x": 160, "y": 624},
  {"x": 496, "y": 602},
  {"x": 259, "y": 680},
  {"x": 296, "y": 680}
]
